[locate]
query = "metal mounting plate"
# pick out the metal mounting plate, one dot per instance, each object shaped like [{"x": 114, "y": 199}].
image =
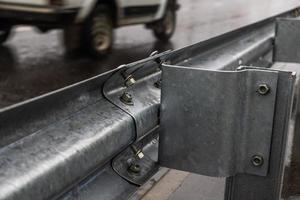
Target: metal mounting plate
[
  {"x": 146, "y": 167},
  {"x": 217, "y": 123},
  {"x": 144, "y": 105},
  {"x": 147, "y": 164},
  {"x": 287, "y": 40}
]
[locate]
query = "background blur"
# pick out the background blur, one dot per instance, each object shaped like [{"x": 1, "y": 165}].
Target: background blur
[{"x": 32, "y": 64}]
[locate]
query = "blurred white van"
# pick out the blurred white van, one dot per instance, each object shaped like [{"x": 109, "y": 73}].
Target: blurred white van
[{"x": 89, "y": 22}]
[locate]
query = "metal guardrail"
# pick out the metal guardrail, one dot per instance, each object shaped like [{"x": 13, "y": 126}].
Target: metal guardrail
[{"x": 98, "y": 138}]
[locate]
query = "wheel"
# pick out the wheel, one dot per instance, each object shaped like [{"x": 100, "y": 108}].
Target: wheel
[
  {"x": 165, "y": 28},
  {"x": 4, "y": 34},
  {"x": 98, "y": 32}
]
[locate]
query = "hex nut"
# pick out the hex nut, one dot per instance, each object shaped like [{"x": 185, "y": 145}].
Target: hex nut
[
  {"x": 140, "y": 155},
  {"x": 126, "y": 98},
  {"x": 138, "y": 152},
  {"x": 129, "y": 81},
  {"x": 134, "y": 168},
  {"x": 257, "y": 161},
  {"x": 263, "y": 89}
]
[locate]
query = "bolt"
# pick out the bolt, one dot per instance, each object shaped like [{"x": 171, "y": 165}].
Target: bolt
[
  {"x": 140, "y": 155},
  {"x": 263, "y": 89},
  {"x": 134, "y": 168},
  {"x": 154, "y": 53},
  {"x": 158, "y": 84},
  {"x": 129, "y": 81},
  {"x": 154, "y": 141},
  {"x": 138, "y": 152},
  {"x": 257, "y": 161},
  {"x": 167, "y": 62},
  {"x": 158, "y": 61},
  {"x": 126, "y": 98}
]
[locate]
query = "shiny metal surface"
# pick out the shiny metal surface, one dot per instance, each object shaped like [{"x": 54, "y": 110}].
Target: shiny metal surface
[
  {"x": 51, "y": 143},
  {"x": 216, "y": 123},
  {"x": 145, "y": 96},
  {"x": 287, "y": 40},
  {"x": 248, "y": 187},
  {"x": 54, "y": 157},
  {"x": 104, "y": 184}
]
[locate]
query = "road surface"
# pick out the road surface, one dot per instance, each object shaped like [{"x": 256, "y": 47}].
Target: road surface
[{"x": 32, "y": 64}]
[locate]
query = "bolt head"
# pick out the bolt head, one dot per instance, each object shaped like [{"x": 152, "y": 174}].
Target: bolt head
[
  {"x": 134, "y": 168},
  {"x": 140, "y": 155},
  {"x": 263, "y": 89},
  {"x": 154, "y": 53},
  {"x": 158, "y": 84},
  {"x": 130, "y": 81},
  {"x": 257, "y": 161},
  {"x": 126, "y": 98}
]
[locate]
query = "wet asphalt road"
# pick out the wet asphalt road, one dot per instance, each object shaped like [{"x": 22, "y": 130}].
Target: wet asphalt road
[{"x": 32, "y": 64}]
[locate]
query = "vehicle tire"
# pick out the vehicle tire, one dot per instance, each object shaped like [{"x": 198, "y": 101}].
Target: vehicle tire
[
  {"x": 165, "y": 28},
  {"x": 4, "y": 35},
  {"x": 98, "y": 32}
]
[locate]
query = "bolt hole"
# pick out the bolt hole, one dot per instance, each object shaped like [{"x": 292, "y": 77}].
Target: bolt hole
[
  {"x": 257, "y": 161},
  {"x": 263, "y": 89}
]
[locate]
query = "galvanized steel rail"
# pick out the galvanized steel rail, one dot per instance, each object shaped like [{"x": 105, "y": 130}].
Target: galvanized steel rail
[{"x": 98, "y": 138}]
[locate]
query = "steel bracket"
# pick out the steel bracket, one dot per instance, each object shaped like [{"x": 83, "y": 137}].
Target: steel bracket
[
  {"x": 287, "y": 40},
  {"x": 138, "y": 169},
  {"x": 217, "y": 123},
  {"x": 134, "y": 89}
]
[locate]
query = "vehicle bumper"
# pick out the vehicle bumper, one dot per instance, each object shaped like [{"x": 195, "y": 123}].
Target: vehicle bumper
[{"x": 20, "y": 14}]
